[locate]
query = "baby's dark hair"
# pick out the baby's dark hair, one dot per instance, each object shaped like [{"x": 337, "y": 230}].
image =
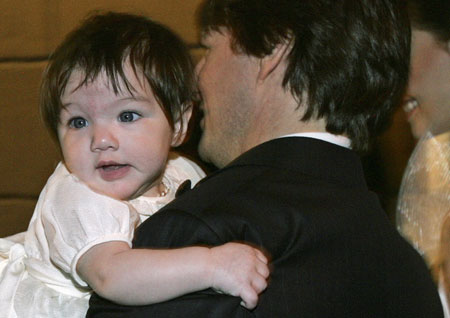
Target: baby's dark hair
[{"x": 104, "y": 42}]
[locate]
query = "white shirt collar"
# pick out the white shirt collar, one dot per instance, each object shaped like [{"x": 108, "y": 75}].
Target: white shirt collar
[{"x": 334, "y": 139}]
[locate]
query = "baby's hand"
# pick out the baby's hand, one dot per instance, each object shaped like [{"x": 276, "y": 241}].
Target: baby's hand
[{"x": 239, "y": 270}]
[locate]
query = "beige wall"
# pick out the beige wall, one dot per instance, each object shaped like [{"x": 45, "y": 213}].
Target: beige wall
[
  {"x": 29, "y": 31},
  {"x": 33, "y": 28}
]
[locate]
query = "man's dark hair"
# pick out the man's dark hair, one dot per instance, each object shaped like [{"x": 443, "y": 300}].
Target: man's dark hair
[
  {"x": 432, "y": 16},
  {"x": 104, "y": 43},
  {"x": 350, "y": 57}
]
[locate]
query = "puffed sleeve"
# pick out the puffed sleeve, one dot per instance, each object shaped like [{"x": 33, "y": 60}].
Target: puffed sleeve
[{"x": 75, "y": 218}]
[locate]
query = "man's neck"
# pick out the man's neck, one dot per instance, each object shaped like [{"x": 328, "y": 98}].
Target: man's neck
[{"x": 281, "y": 126}]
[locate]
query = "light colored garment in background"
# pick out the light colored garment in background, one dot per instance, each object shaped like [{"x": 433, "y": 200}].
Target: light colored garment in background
[{"x": 424, "y": 200}]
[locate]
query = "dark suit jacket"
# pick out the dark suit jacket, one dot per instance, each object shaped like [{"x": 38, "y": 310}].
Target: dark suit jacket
[{"x": 304, "y": 201}]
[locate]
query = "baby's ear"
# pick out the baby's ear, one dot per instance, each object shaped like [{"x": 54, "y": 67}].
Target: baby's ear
[{"x": 180, "y": 126}]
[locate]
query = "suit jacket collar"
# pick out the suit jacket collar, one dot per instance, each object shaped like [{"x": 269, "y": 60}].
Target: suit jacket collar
[{"x": 308, "y": 156}]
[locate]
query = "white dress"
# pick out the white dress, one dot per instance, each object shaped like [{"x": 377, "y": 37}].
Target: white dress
[{"x": 38, "y": 277}]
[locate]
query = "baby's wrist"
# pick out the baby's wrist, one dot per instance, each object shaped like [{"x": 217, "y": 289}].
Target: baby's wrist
[
  {"x": 211, "y": 268},
  {"x": 205, "y": 267}
]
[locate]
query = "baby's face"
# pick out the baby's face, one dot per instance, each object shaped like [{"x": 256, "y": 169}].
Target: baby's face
[
  {"x": 117, "y": 144},
  {"x": 428, "y": 96}
]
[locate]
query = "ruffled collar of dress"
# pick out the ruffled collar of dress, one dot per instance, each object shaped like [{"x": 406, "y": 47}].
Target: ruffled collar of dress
[{"x": 147, "y": 206}]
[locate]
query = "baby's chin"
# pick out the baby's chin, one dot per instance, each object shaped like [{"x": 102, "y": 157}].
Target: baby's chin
[
  {"x": 115, "y": 193},
  {"x": 125, "y": 191}
]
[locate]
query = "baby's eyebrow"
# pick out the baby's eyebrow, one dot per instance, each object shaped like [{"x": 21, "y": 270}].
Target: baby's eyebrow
[
  {"x": 66, "y": 105},
  {"x": 134, "y": 97}
]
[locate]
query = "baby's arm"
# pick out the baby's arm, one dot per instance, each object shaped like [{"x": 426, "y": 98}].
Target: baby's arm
[{"x": 144, "y": 276}]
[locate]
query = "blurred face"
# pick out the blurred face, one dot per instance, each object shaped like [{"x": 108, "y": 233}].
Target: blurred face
[
  {"x": 225, "y": 82},
  {"x": 428, "y": 96},
  {"x": 117, "y": 144}
]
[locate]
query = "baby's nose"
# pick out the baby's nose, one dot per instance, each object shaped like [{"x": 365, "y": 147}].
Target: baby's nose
[{"x": 103, "y": 139}]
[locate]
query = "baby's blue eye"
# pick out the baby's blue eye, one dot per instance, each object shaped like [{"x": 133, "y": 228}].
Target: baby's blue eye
[
  {"x": 78, "y": 122},
  {"x": 129, "y": 117}
]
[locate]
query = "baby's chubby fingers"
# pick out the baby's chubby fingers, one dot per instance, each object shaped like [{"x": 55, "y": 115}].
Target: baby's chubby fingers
[
  {"x": 262, "y": 268},
  {"x": 261, "y": 256},
  {"x": 250, "y": 293},
  {"x": 240, "y": 270},
  {"x": 249, "y": 298},
  {"x": 259, "y": 283}
]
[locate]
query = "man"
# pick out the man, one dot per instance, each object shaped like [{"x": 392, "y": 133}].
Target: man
[{"x": 324, "y": 75}]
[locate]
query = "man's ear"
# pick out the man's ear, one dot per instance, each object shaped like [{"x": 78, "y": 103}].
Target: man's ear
[
  {"x": 270, "y": 62},
  {"x": 180, "y": 126}
]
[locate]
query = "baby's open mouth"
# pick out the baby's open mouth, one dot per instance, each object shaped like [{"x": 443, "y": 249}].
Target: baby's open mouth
[
  {"x": 111, "y": 171},
  {"x": 110, "y": 167}
]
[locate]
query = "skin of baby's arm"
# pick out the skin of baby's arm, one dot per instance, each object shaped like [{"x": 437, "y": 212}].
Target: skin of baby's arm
[{"x": 146, "y": 276}]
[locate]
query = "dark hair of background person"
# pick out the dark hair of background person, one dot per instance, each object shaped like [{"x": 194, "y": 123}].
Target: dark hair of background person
[
  {"x": 352, "y": 62},
  {"x": 104, "y": 42},
  {"x": 432, "y": 16}
]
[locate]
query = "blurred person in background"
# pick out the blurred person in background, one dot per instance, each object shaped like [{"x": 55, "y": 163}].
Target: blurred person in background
[{"x": 424, "y": 199}]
